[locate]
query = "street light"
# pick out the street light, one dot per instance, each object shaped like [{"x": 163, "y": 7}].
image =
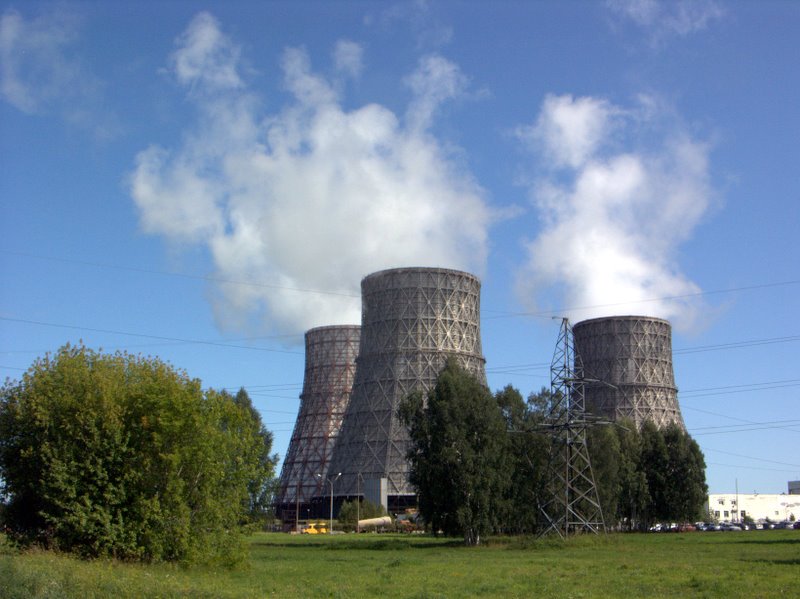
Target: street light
[
  {"x": 331, "y": 481},
  {"x": 358, "y": 502}
]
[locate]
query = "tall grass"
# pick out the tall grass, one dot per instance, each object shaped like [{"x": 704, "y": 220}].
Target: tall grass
[{"x": 746, "y": 564}]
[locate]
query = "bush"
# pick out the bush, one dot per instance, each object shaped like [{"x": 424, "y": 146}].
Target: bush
[{"x": 123, "y": 456}]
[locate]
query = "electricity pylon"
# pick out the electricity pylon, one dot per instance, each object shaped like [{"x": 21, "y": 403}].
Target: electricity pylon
[{"x": 571, "y": 503}]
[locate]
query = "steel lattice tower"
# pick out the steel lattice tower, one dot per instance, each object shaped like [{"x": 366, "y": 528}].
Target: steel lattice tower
[
  {"x": 413, "y": 319},
  {"x": 572, "y": 503},
  {"x": 329, "y": 373},
  {"x": 628, "y": 360}
]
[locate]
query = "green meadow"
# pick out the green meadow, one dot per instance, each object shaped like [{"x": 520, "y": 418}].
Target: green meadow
[{"x": 723, "y": 564}]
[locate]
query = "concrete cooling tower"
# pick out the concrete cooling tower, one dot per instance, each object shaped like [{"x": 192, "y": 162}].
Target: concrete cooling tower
[
  {"x": 413, "y": 319},
  {"x": 330, "y": 369},
  {"x": 630, "y": 360}
]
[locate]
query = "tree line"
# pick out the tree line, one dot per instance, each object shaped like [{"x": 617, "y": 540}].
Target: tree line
[
  {"x": 479, "y": 462},
  {"x": 124, "y": 456}
]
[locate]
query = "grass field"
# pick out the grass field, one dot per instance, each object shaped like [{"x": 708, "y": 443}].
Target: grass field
[{"x": 726, "y": 564}]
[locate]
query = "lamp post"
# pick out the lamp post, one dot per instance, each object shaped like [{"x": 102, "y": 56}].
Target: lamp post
[
  {"x": 358, "y": 502},
  {"x": 331, "y": 481}
]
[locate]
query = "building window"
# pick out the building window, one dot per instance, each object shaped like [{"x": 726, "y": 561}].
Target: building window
[
  {"x": 744, "y": 514},
  {"x": 716, "y": 514},
  {"x": 726, "y": 513},
  {"x": 721, "y": 501}
]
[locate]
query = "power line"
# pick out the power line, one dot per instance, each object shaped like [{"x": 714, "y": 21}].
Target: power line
[
  {"x": 159, "y": 337},
  {"x": 499, "y": 314},
  {"x": 751, "y": 457},
  {"x": 178, "y": 274},
  {"x": 739, "y": 466},
  {"x": 729, "y": 417},
  {"x": 551, "y": 313},
  {"x": 736, "y": 344},
  {"x": 745, "y": 430},
  {"x": 730, "y": 389}
]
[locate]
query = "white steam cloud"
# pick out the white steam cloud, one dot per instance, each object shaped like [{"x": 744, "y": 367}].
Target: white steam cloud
[
  {"x": 42, "y": 73},
  {"x": 310, "y": 198},
  {"x": 668, "y": 18},
  {"x": 612, "y": 220}
]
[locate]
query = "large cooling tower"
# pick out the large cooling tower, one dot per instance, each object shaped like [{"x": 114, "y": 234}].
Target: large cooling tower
[
  {"x": 413, "y": 319},
  {"x": 627, "y": 361},
  {"x": 330, "y": 369}
]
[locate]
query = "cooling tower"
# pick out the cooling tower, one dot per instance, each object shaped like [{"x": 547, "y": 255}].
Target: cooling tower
[
  {"x": 627, "y": 361},
  {"x": 330, "y": 368},
  {"x": 413, "y": 319}
]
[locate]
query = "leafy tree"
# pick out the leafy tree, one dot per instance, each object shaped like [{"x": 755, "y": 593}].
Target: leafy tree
[
  {"x": 655, "y": 464},
  {"x": 605, "y": 455},
  {"x": 260, "y": 488},
  {"x": 527, "y": 454},
  {"x": 119, "y": 455},
  {"x": 457, "y": 460},
  {"x": 633, "y": 493},
  {"x": 674, "y": 468},
  {"x": 350, "y": 511},
  {"x": 687, "y": 490}
]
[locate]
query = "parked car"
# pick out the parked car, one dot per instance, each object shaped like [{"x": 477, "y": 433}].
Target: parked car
[{"x": 797, "y": 525}]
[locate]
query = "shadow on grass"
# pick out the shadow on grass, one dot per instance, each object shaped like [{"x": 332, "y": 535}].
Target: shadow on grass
[
  {"x": 775, "y": 562},
  {"x": 768, "y": 542},
  {"x": 366, "y": 545}
]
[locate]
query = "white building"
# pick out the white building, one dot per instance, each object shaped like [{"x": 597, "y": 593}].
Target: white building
[{"x": 733, "y": 507}]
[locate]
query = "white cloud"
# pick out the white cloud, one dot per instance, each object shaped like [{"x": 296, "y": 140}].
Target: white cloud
[
  {"x": 663, "y": 19},
  {"x": 312, "y": 197},
  {"x": 348, "y": 57},
  {"x": 41, "y": 73},
  {"x": 612, "y": 220},
  {"x": 419, "y": 16},
  {"x": 435, "y": 81},
  {"x": 205, "y": 57},
  {"x": 569, "y": 130}
]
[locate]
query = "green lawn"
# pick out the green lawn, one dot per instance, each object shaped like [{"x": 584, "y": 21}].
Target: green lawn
[{"x": 726, "y": 564}]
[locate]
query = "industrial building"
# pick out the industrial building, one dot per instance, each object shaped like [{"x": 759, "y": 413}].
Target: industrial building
[
  {"x": 413, "y": 320},
  {"x": 733, "y": 507},
  {"x": 329, "y": 373},
  {"x": 627, "y": 363},
  {"x": 348, "y": 441}
]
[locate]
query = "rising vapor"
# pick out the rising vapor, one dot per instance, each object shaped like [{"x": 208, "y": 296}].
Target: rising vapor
[
  {"x": 619, "y": 191},
  {"x": 312, "y": 197}
]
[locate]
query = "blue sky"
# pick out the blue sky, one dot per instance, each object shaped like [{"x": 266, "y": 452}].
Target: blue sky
[{"x": 204, "y": 181}]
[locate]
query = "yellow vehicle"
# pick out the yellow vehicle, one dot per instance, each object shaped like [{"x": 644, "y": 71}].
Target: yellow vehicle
[{"x": 315, "y": 528}]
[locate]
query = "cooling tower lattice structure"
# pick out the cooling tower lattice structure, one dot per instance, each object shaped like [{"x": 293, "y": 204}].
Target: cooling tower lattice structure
[
  {"x": 413, "y": 320},
  {"x": 627, "y": 361},
  {"x": 329, "y": 373}
]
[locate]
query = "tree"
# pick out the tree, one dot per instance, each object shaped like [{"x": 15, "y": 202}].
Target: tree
[
  {"x": 633, "y": 494},
  {"x": 674, "y": 468},
  {"x": 260, "y": 488},
  {"x": 457, "y": 458},
  {"x": 654, "y": 463},
  {"x": 350, "y": 511},
  {"x": 527, "y": 454},
  {"x": 605, "y": 455},
  {"x": 119, "y": 455},
  {"x": 686, "y": 472}
]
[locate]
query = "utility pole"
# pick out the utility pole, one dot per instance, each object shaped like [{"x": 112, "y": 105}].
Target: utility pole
[{"x": 571, "y": 502}]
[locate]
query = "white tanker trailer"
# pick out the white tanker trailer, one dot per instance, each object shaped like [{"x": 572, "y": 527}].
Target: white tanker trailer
[{"x": 371, "y": 523}]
